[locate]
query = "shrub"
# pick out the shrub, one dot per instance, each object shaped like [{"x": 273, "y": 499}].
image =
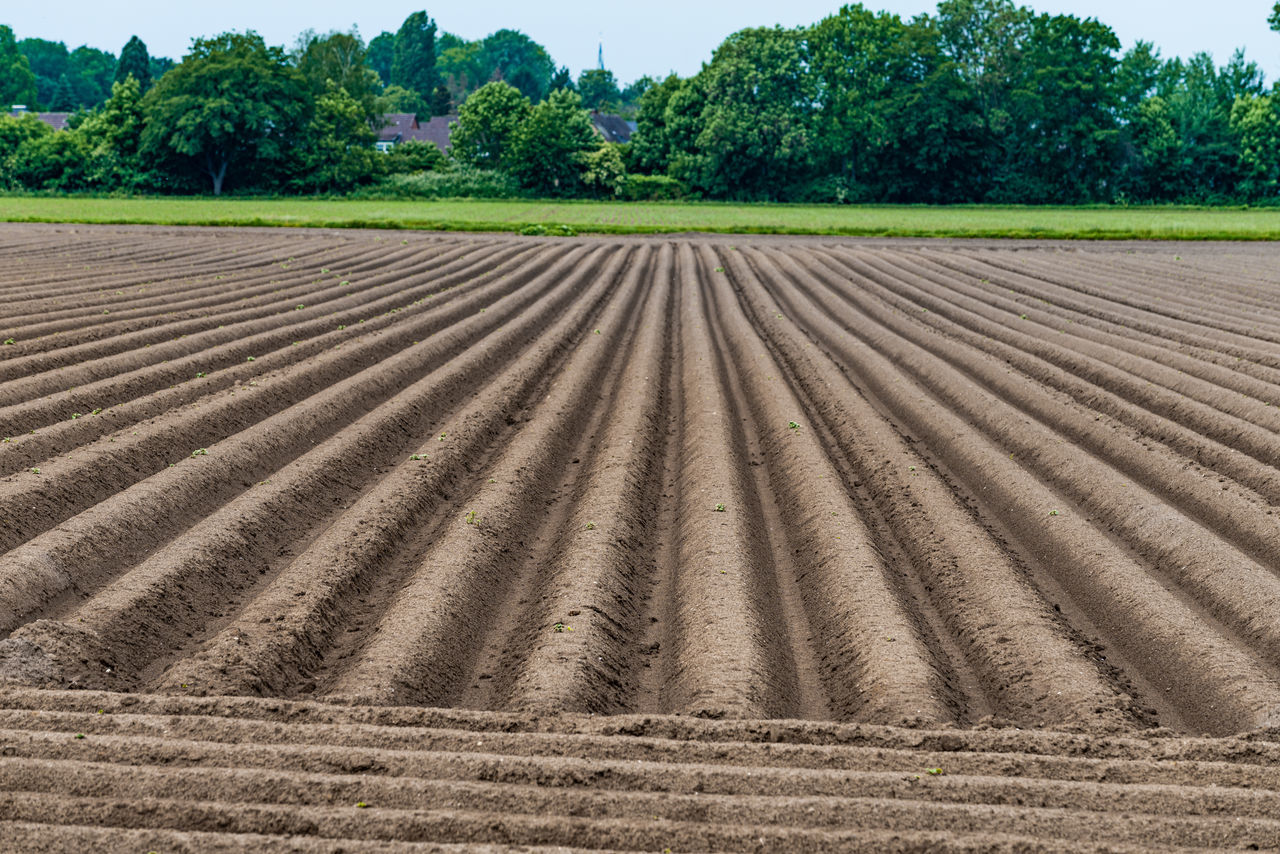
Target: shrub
[
  {"x": 649, "y": 188},
  {"x": 453, "y": 182}
]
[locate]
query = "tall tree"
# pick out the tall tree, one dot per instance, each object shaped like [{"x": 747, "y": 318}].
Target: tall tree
[
  {"x": 599, "y": 89},
  {"x": 64, "y": 96},
  {"x": 1274, "y": 18},
  {"x": 512, "y": 56},
  {"x": 381, "y": 51},
  {"x": 17, "y": 82},
  {"x": 232, "y": 108},
  {"x": 651, "y": 143},
  {"x": 487, "y": 124},
  {"x": 134, "y": 60},
  {"x": 48, "y": 60},
  {"x": 92, "y": 73},
  {"x": 338, "y": 60},
  {"x": 413, "y": 61},
  {"x": 550, "y": 151}
]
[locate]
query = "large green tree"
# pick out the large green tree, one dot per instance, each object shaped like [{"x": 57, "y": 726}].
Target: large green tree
[
  {"x": 231, "y": 109},
  {"x": 17, "y": 81},
  {"x": 512, "y": 56},
  {"x": 651, "y": 144},
  {"x": 136, "y": 61},
  {"x": 336, "y": 150},
  {"x": 339, "y": 60},
  {"x": 413, "y": 60},
  {"x": 487, "y": 124},
  {"x": 381, "y": 51},
  {"x": 550, "y": 151},
  {"x": 599, "y": 89}
]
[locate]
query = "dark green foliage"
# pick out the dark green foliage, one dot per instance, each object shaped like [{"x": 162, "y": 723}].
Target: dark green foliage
[
  {"x": 16, "y": 130},
  {"x": 414, "y": 156},
  {"x": 232, "y": 109},
  {"x": 413, "y": 59},
  {"x": 64, "y": 96},
  {"x": 549, "y": 152},
  {"x": 46, "y": 59},
  {"x": 512, "y": 56},
  {"x": 454, "y": 182},
  {"x": 651, "y": 188},
  {"x": 55, "y": 161},
  {"x": 487, "y": 125},
  {"x": 441, "y": 101},
  {"x": 380, "y": 54},
  {"x": 339, "y": 60},
  {"x": 336, "y": 151},
  {"x": 599, "y": 90},
  {"x": 17, "y": 79},
  {"x": 134, "y": 60},
  {"x": 562, "y": 79}
]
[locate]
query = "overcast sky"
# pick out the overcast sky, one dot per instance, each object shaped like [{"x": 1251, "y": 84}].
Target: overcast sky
[{"x": 647, "y": 37}]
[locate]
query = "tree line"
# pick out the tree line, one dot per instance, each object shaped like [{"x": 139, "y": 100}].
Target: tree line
[{"x": 981, "y": 101}]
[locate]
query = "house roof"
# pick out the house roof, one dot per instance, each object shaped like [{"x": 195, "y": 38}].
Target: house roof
[
  {"x": 612, "y": 128},
  {"x": 57, "y": 121},
  {"x": 404, "y": 127}
]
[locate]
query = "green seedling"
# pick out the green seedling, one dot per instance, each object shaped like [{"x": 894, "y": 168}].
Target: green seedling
[
  {"x": 95, "y": 412},
  {"x": 597, "y": 331},
  {"x": 793, "y": 425},
  {"x": 561, "y": 627},
  {"x": 200, "y": 452},
  {"x": 75, "y": 415},
  {"x": 1023, "y": 316},
  {"x": 35, "y": 471},
  {"x": 201, "y": 375},
  {"x": 933, "y": 772},
  {"x": 10, "y": 341},
  {"x": 416, "y": 457},
  {"x": 79, "y": 735},
  {"x": 442, "y": 435},
  {"x": 471, "y": 518},
  {"x": 719, "y": 508},
  {"x": 719, "y": 269},
  {"x": 342, "y": 326},
  {"x": 591, "y": 526},
  {"x": 250, "y": 359},
  {"x": 361, "y": 805},
  {"x": 1053, "y": 512},
  {"x": 299, "y": 307}
]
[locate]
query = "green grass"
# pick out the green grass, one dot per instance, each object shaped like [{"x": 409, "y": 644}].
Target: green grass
[{"x": 1160, "y": 223}]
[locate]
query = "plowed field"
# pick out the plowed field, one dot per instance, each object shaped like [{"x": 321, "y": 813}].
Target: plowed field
[{"x": 356, "y": 541}]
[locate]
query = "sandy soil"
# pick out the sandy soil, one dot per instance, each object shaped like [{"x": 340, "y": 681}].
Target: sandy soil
[{"x": 636, "y": 544}]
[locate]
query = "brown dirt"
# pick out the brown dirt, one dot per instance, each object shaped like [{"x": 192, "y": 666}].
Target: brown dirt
[{"x": 1010, "y": 582}]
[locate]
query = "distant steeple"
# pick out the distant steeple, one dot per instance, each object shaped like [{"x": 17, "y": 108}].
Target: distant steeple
[{"x": 600, "y": 56}]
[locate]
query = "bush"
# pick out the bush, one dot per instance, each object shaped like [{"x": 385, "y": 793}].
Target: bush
[
  {"x": 455, "y": 182},
  {"x": 414, "y": 156},
  {"x": 652, "y": 188}
]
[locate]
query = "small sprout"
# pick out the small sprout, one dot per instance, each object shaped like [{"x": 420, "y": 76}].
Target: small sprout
[
  {"x": 913, "y": 468},
  {"x": 561, "y": 627},
  {"x": 597, "y": 331},
  {"x": 416, "y": 457},
  {"x": 95, "y": 412},
  {"x": 591, "y": 526},
  {"x": 1053, "y": 512},
  {"x": 79, "y": 735},
  {"x": 793, "y": 425},
  {"x": 106, "y": 311},
  {"x": 342, "y": 326},
  {"x": 719, "y": 508},
  {"x": 1023, "y": 316},
  {"x": 934, "y": 772},
  {"x": 299, "y": 307},
  {"x": 442, "y": 435},
  {"x": 719, "y": 269},
  {"x": 201, "y": 375},
  {"x": 10, "y": 341},
  {"x": 200, "y": 452},
  {"x": 471, "y": 518},
  {"x": 75, "y": 415},
  {"x": 35, "y": 471},
  {"x": 361, "y": 805},
  {"x": 250, "y": 359}
]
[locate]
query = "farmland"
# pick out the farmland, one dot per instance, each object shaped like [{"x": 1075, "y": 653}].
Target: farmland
[{"x": 313, "y": 539}]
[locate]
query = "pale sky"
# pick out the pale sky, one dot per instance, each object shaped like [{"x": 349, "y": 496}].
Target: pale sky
[{"x": 647, "y": 37}]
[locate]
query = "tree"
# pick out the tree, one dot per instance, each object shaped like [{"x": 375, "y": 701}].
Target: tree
[
  {"x": 397, "y": 99},
  {"x": 548, "y": 154},
  {"x": 756, "y": 129},
  {"x": 441, "y": 101},
  {"x": 48, "y": 60},
  {"x": 55, "y": 161},
  {"x": 650, "y": 144},
  {"x": 562, "y": 79},
  {"x": 458, "y": 64},
  {"x": 603, "y": 171},
  {"x": 1274, "y": 18},
  {"x": 1256, "y": 121},
  {"x": 487, "y": 124},
  {"x": 16, "y": 130},
  {"x": 92, "y": 73},
  {"x": 17, "y": 82},
  {"x": 338, "y": 59},
  {"x": 134, "y": 60},
  {"x": 413, "y": 61},
  {"x": 414, "y": 156},
  {"x": 512, "y": 56},
  {"x": 64, "y": 96},
  {"x": 599, "y": 89},
  {"x": 380, "y": 54},
  {"x": 337, "y": 150},
  {"x": 231, "y": 108}
]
